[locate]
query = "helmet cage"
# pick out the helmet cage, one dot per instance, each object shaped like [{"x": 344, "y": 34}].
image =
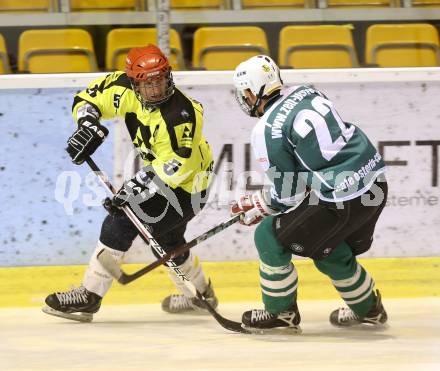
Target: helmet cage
[
  {"x": 153, "y": 90},
  {"x": 245, "y": 105}
]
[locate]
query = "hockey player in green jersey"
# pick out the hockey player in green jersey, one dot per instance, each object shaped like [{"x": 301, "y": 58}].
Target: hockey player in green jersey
[{"x": 327, "y": 192}]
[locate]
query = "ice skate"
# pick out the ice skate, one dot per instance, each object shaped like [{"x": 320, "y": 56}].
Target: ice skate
[
  {"x": 345, "y": 317},
  {"x": 261, "y": 321},
  {"x": 183, "y": 304},
  {"x": 78, "y": 304}
]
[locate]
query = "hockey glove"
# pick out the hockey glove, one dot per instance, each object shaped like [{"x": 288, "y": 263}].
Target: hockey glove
[
  {"x": 137, "y": 189},
  {"x": 252, "y": 207},
  {"x": 86, "y": 139}
]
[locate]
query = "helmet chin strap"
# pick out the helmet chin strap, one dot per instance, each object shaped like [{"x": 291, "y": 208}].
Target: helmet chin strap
[{"x": 254, "y": 110}]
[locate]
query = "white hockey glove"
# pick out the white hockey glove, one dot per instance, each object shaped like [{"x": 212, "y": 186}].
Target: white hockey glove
[{"x": 253, "y": 208}]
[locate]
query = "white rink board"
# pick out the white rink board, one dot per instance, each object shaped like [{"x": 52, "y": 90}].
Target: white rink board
[{"x": 404, "y": 111}]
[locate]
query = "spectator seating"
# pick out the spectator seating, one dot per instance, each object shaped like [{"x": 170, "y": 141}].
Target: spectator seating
[
  {"x": 56, "y": 51},
  {"x": 197, "y": 4},
  {"x": 425, "y": 3},
  {"x": 276, "y": 4},
  {"x": 402, "y": 45},
  {"x": 4, "y": 60},
  {"x": 121, "y": 40},
  {"x": 25, "y": 6},
  {"x": 104, "y": 5},
  {"x": 222, "y": 48},
  {"x": 362, "y": 3},
  {"x": 325, "y": 46}
]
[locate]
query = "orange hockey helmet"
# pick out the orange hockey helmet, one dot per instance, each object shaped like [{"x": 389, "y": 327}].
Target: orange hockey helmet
[{"x": 150, "y": 75}]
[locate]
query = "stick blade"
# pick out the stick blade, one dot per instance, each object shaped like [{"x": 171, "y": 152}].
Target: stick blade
[{"x": 224, "y": 322}]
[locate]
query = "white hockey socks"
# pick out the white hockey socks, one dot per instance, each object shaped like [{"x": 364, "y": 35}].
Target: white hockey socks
[
  {"x": 193, "y": 271},
  {"x": 96, "y": 278}
]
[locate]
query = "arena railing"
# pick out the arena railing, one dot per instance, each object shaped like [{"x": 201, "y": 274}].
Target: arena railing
[
  {"x": 224, "y": 78},
  {"x": 231, "y": 16}
]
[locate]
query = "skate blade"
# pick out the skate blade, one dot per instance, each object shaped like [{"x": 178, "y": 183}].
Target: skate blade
[
  {"x": 79, "y": 317},
  {"x": 296, "y": 330},
  {"x": 371, "y": 326},
  {"x": 364, "y": 327},
  {"x": 190, "y": 313}
]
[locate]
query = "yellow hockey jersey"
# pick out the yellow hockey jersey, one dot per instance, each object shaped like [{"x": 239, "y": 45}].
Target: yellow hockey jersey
[{"x": 169, "y": 137}]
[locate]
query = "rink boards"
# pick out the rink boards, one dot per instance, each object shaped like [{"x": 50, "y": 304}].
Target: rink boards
[
  {"x": 233, "y": 281},
  {"x": 54, "y": 216}
]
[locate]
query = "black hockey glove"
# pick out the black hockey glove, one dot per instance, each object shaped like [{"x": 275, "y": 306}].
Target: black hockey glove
[
  {"x": 86, "y": 139},
  {"x": 107, "y": 203},
  {"x": 137, "y": 189}
]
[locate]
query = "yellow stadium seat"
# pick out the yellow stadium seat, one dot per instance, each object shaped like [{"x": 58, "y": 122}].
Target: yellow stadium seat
[
  {"x": 402, "y": 45},
  {"x": 223, "y": 48},
  {"x": 326, "y": 46},
  {"x": 275, "y": 4},
  {"x": 4, "y": 60},
  {"x": 103, "y": 5},
  {"x": 25, "y": 6},
  {"x": 425, "y": 3},
  {"x": 361, "y": 3},
  {"x": 121, "y": 40},
  {"x": 56, "y": 51},
  {"x": 197, "y": 4}
]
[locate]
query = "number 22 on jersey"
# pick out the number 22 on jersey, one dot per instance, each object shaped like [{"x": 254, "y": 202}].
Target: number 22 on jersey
[{"x": 319, "y": 120}]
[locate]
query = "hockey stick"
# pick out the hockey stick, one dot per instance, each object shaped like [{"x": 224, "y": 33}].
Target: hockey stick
[
  {"x": 123, "y": 278},
  {"x": 148, "y": 238}
]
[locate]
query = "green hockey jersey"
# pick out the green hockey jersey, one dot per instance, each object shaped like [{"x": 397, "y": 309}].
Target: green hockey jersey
[{"x": 301, "y": 142}]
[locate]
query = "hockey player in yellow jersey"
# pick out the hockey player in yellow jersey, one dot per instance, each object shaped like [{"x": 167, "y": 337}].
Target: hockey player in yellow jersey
[{"x": 165, "y": 126}]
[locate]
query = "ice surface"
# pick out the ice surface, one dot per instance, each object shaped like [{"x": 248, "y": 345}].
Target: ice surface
[{"x": 142, "y": 337}]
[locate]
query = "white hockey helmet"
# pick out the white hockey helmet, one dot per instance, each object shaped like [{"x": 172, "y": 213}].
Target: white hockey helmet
[{"x": 261, "y": 76}]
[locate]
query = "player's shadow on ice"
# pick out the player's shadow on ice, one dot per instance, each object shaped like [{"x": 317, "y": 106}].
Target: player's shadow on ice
[
  {"x": 196, "y": 323},
  {"x": 331, "y": 335},
  {"x": 175, "y": 323}
]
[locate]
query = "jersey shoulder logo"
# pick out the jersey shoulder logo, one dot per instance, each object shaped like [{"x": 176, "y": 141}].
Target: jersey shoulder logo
[{"x": 93, "y": 91}]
